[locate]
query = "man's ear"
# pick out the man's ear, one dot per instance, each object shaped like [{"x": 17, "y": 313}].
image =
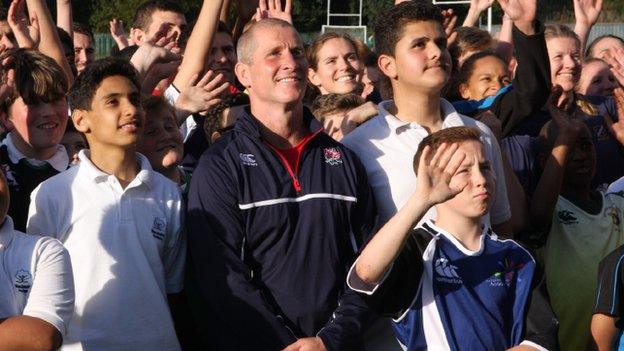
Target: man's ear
[
  {"x": 81, "y": 121},
  {"x": 464, "y": 91},
  {"x": 137, "y": 35},
  {"x": 387, "y": 65},
  {"x": 243, "y": 74}
]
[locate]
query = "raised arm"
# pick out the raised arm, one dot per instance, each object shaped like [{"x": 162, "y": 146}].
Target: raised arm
[
  {"x": 199, "y": 43},
  {"x": 475, "y": 10},
  {"x": 549, "y": 185},
  {"x": 49, "y": 43},
  {"x": 586, "y": 13},
  {"x": 64, "y": 19}
]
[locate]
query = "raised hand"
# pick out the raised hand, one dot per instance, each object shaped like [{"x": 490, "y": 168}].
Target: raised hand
[
  {"x": 118, "y": 33},
  {"x": 586, "y": 12},
  {"x": 480, "y": 5},
  {"x": 617, "y": 128},
  {"x": 569, "y": 128},
  {"x": 273, "y": 9},
  {"x": 435, "y": 172},
  {"x": 200, "y": 96},
  {"x": 8, "y": 83},
  {"x": 307, "y": 344},
  {"x": 520, "y": 10},
  {"x": 26, "y": 31},
  {"x": 449, "y": 22},
  {"x": 615, "y": 59}
]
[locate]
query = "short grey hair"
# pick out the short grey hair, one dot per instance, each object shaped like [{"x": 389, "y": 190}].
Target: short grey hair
[{"x": 247, "y": 43}]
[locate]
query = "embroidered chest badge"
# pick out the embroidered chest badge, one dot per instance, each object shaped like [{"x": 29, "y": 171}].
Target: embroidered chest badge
[
  {"x": 248, "y": 159},
  {"x": 22, "y": 281},
  {"x": 614, "y": 213},
  {"x": 333, "y": 156},
  {"x": 159, "y": 228}
]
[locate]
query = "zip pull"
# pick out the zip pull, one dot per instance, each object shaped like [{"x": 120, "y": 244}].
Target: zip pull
[{"x": 296, "y": 184}]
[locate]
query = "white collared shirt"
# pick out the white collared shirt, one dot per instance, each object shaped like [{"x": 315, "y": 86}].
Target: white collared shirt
[
  {"x": 128, "y": 253},
  {"x": 59, "y": 161},
  {"x": 36, "y": 277},
  {"x": 386, "y": 146}
]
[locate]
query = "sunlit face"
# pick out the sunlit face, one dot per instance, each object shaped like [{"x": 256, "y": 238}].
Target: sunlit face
[
  {"x": 421, "y": 59},
  {"x": 475, "y": 171},
  {"x": 489, "y": 75},
  {"x": 84, "y": 51},
  {"x": 606, "y": 46},
  {"x": 339, "y": 69},
  {"x": 222, "y": 57},
  {"x": 596, "y": 79},
  {"x": 38, "y": 128},
  {"x": 175, "y": 21},
  {"x": 277, "y": 72},
  {"x": 161, "y": 141},
  {"x": 565, "y": 62}
]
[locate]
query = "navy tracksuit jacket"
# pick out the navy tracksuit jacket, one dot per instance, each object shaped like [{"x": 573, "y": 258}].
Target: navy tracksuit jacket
[{"x": 272, "y": 245}]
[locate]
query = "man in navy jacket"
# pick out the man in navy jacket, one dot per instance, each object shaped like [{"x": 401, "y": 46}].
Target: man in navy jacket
[{"x": 277, "y": 212}]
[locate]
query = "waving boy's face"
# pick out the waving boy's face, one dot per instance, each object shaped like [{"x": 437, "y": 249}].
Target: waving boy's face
[{"x": 476, "y": 171}]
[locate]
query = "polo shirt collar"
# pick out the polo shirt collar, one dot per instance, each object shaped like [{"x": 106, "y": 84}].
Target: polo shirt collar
[
  {"x": 59, "y": 161},
  {"x": 145, "y": 175},
  {"x": 6, "y": 233},
  {"x": 450, "y": 117}
]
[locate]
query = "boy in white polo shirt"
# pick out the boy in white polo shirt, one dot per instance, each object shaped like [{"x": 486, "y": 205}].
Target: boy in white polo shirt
[
  {"x": 37, "y": 289},
  {"x": 119, "y": 220}
]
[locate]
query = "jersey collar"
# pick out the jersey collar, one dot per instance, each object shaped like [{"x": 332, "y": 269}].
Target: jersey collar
[{"x": 59, "y": 161}]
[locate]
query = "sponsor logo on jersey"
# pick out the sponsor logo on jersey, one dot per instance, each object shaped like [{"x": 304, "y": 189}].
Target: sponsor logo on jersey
[
  {"x": 159, "y": 228},
  {"x": 333, "y": 156},
  {"x": 614, "y": 212},
  {"x": 447, "y": 272},
  {"x": 248, "y": 159},
  {"x": 506, "y": 274},
  {"x": 567, "y": 217},
  {"x": 22, "y": 281}
]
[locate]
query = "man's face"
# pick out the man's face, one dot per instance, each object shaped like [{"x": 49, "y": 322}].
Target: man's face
[
  {"x": 84, "y": 51},
  {"x": 277, "y": 72},
  {"x": 116, "y": 116},
  {"x": 38, "y": 127},
  {"x": 175, "y": 21},
  {"x": 222, "y": 57},
  {"x": 421, "y": 59}
]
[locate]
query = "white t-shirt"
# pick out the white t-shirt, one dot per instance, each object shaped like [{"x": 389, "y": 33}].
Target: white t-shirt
[
  {"x": 36, "y": 277},
  {"x": 386, "y": 146},
  {"x": 127, "y": 251}
]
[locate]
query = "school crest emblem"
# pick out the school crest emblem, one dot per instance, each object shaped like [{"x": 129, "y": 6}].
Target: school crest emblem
[
  {"x": 22, "y": 281},
  {"x": 333, "y": 156},
  {"x": 159, "y": 228}
]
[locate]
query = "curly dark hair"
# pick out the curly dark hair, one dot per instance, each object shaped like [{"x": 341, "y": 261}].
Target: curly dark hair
[{"x": 214, "y": 118}]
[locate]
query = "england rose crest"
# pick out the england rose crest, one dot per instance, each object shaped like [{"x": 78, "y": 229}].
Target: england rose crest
[{"x": 332, "y": 156}]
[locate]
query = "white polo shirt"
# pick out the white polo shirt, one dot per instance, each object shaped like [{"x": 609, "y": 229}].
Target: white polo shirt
[
  {"x": 128, "y": 253},
  {"x": 386, "y": 146},
  {"x": 36, "y": 277}
]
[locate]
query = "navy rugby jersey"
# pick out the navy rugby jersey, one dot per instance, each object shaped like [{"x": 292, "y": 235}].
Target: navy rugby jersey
[
  {"x": 446, "y": 297},
  {"x": 272, "y": 245}
]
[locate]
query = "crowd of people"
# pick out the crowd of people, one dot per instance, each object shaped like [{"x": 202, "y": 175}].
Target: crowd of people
[{"x": 208, "y": 187}]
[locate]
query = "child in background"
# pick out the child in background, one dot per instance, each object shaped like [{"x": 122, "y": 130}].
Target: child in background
[
  {"x": 596, "y": 81},
  {"x": 451, "y": 284},
  {"x": 579, "y": 225},
  {"x": 73, "y": 141},
  {"x": 221, "y": 117},
  {"x": 342, "y": 113},
  {"x": 127, "y": 247},
  {"x": 36, "y": 113}
]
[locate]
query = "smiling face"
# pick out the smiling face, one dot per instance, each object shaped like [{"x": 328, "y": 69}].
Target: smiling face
[
  {"x": 476, "y": 171},
  {"x": 116, "y": 116},
  {"x": 84, "y": 51},
  {"x": 489, "y": 75},
  {"x": 222, "y": 57},
  {"x": 596, "y": 79},
  {"x": 38, "y": 128},
  {"x": 421, "y": 59},
  {"x": 276, "y": 73},
  {"x": 339, "y": 70},
  {"x": 565, "y": 62},
  {"x": 161, "y": 141}
]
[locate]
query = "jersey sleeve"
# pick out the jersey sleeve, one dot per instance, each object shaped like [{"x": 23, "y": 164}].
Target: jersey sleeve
[
  {"x": 609, "y": 291},
  {"x": 52, "y": 294},
  {"x": 397, "y": 291}
]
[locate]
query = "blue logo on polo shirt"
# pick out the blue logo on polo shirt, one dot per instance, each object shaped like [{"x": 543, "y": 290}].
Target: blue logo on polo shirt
[
  {"x": 447, "y": 272},
  {"x": 22, "y": 281},
  {"x": 159, "y": 228},
  {"x": 248, "y": 159}
]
